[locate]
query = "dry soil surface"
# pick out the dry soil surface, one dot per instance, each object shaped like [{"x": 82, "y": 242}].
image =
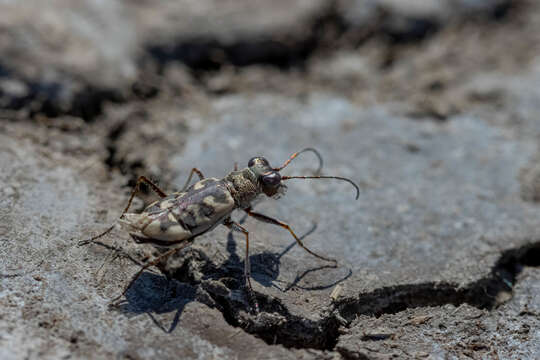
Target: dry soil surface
[{"x": 431, "y": 107}]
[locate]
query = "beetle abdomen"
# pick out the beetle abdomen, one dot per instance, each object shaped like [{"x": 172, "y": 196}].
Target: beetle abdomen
[{"x": 161, "y": 226}]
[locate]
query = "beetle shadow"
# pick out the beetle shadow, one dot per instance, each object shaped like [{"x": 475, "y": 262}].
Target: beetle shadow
[
  {"x": 265, "y": 265},
  {"x": 153, "y": 294},
  {"x": 156, "y": 294}
]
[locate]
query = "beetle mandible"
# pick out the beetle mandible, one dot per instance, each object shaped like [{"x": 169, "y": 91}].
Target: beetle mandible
[{"x": 177, "y": 219}]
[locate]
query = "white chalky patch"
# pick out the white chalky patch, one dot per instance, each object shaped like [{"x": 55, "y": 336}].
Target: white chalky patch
[
  {"x": 199, "y": 185},
  {"x": 175, "y": 233},
  {"x": 166, "y": 204}
]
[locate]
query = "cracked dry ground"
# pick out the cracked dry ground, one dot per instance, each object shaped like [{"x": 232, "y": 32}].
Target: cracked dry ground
[{"x": 436, "y": 120}]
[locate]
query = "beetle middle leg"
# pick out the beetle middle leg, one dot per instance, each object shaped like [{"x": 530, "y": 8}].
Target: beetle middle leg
[
  {"x": 136, "y": 188},
  {"x": 154, "y": 262},
  {"x": 268, "y": 219},
  {"x": 194, "y": 170},
  {"x": 247, "y": 266}
]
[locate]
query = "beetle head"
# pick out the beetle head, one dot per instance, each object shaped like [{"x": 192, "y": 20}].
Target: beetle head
[{"x": 269, "y": 179}]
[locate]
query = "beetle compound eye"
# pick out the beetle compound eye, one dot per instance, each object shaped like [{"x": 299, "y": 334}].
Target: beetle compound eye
[
  {"x": 271, "y": 179},
  {"x": 259, "y": 160}
]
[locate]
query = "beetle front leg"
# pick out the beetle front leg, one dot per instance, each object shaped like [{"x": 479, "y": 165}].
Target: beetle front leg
[
  {"x": 194, "y": 170},
  {"x": 268, "y": 219},
  {"x": 247, "y": 266},
  {"x": 136, "y": 188}
]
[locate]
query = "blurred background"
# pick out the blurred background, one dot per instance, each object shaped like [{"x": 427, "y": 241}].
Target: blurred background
[
  {"x": 431, "y": 106},
  {"x": 112, "y": 75}
]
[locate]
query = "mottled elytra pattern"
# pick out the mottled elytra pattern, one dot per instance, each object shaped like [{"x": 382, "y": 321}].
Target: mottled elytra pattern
[
  {"x": 204, "y": 205},
  {"x": 176, "y": 220}
]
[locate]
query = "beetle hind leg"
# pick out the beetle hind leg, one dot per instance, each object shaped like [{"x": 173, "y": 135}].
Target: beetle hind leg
[
  {"x": 136, "y": 188},
  {"x": 157, "y": 260}
]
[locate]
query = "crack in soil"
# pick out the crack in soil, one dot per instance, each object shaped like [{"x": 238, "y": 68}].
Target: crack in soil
[
  {"x": 276, "y": 325},
  {"x": 224, "y": 285},
  {"x": 130, "y": 168},
  {"x": 481, "y": 294}
]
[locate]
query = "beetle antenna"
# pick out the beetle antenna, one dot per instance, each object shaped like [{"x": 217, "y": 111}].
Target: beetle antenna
[
  {"x": 298, "y": 153},
  {"x": 326, "y": 177}
]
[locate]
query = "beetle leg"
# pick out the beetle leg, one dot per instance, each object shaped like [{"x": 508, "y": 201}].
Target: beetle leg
[
  {"x": 194, "y": 170},
  {"x": 143, "y": 179},
  {"x": 136, "y": 188},
  {"x": 147, "y": 265},
  {"x": 247, "y": 266},
  {"x": 270, "y": 220}
]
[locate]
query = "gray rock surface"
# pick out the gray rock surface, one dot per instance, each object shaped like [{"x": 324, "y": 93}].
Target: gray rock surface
[
  {"x": 54, "y": 301},
  {"x": 475, "y": 333}
]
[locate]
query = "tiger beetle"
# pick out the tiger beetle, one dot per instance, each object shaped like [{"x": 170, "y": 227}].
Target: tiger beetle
[{"x": 176, "y": 220}]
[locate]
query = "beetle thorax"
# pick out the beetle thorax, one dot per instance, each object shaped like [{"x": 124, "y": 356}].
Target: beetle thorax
[{"x": 244, "y": 187}]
